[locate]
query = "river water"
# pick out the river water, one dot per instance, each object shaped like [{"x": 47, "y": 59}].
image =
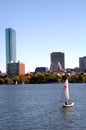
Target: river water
[{"x": 39, "y": 107}]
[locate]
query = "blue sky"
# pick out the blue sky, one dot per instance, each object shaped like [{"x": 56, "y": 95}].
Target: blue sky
[{"x": 43, "y": 27}]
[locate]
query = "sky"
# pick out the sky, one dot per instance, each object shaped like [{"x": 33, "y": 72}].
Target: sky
[{"x": 43, "y": 27}]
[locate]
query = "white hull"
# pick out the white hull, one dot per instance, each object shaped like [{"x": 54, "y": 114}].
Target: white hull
[{"x": 68, "y": 105}]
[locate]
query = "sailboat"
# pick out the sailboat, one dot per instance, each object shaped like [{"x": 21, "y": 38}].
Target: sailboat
[
  {"x": 16, "y": 82},
  {"x": 66, "y": 91}
]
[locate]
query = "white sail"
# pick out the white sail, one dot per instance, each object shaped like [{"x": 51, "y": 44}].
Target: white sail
[{"x": 66, "y": 89}]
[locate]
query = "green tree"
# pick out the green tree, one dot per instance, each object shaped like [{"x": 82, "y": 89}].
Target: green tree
[
  {"x": 34, "y": 78},
  {"x": 74, "y": 78},
  {"x": 41, "y": 78},
  {"x": 15, "y": 79},
  {"x": 8, "y": 81},
  {"x": 64, "y": 77},
  {"x": 84, "y": 78},
  {"x": 80, "y": 78},
  {"x": 50, "y": 77},
  {"x": 1, "y": 81},
  {"x": 59, "y": 78},
  {"x": 22, "y": 79}
]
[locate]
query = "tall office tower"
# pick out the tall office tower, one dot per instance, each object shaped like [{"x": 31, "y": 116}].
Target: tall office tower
[
  {"x": 10, "y": 37},
  {"x": 57, "y": 61},
  {"x": 82, "y": 64}
]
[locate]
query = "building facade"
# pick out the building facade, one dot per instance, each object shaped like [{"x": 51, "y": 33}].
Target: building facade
[
  {"x": 41, "y": 69},
  {"x": 15, "y": 69},
  {"x": 82, "y": 64},
  {"x": 57, "y": 61},
  {"x": 10, "y": 37}
]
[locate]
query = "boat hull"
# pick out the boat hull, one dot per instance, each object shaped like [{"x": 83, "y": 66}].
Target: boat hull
[{"x": 68, "y": 105}]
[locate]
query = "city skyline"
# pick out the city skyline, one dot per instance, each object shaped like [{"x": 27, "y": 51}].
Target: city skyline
[{"x": 43, "y": 27}]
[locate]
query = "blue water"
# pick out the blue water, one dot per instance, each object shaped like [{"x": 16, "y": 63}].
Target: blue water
[{"x": 39, "y": 107}]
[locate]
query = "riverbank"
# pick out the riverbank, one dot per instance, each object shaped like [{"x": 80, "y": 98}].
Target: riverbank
[{"x": 43, "y": 78}]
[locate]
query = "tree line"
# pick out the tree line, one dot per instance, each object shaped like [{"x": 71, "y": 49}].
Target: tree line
[{"x": 43, "y": 78}]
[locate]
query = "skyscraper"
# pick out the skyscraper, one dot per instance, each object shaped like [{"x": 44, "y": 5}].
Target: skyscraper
[
  {"x": 57, "y": 61},
  {"x": 82, "y": 64},
  {"x": 10, "y": 37}
]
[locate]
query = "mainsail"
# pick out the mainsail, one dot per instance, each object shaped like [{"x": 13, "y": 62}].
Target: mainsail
[{"x": 66, "y": 89}]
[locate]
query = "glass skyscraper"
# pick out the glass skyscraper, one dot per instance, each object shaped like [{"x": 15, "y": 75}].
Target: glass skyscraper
[{"x": 10, "y": 37}]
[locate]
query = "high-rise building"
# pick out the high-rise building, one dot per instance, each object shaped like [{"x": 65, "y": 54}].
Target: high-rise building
[
  {"x": 15, "y": 69},
  {"x": 82, "y": 64},
  {"x": 10, "y": 37},
  {"x": 57, "y": 61}
]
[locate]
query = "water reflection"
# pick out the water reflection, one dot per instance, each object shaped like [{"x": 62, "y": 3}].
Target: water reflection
[{"x": 67, "y": 118}]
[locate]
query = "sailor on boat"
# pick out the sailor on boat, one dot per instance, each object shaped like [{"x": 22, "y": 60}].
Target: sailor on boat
[{"x": 66, "y": 103}]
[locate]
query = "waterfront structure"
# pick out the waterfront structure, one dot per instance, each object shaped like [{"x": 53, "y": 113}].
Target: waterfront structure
[
  {"x": 41, "y": 69},
  {"x": 10, "y": 37},
  {"x": 57, "y": 62},
  {"x": 15, "y": 69},
  {"x": 82, "y": 64}
]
